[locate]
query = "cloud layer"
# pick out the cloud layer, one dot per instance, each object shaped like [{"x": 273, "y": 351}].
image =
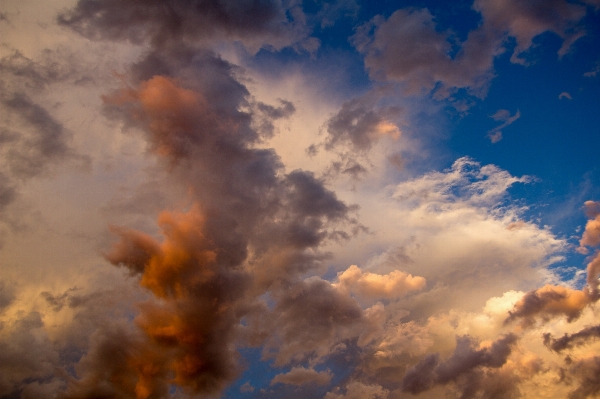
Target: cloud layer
[{"x": 201, "y": 256}]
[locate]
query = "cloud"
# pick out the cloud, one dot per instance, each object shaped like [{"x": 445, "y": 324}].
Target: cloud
[
  {"x": 524, "y": 21},
  {"x": 464, "y": 361},
  {"x": 246, "y": 250},
  {"x": 249, "y": 230},
  {"x": 594, "y": 72},
  {"x": 30, "y": 153},
  {"x": 301, "y": 376},
  {"x": 394, "y": 285},
  {"x": 568, "y": 341},
  {"x": 591, "y": 235},
  {"x": 550, "y": 301},
  {"x": 164, "y": 24},
  {"x": 585, "y": 371},
  {"x": 409, "y": 48},
  {"x": 313, "y": 318},
  {"x": 564, "y": 94},
  {"x": 502, "y": 115},
  {"x": 358, "y": 390},
  {"x": 360, "y": 125}
]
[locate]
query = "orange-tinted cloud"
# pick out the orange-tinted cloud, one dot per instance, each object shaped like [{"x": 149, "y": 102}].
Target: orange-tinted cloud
[
  {"x": 190, "y": 327},
  {"x": 368, "y": 285},
  {"x": 549, "y": 301}
]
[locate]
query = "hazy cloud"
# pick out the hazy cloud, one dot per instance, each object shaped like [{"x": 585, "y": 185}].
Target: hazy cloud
[
  {"x": 360, "y": 124},
  {"x": 301, "y": 376},
  {"x": 566, "y": 95},
  {"x": 504, "y": 116}
]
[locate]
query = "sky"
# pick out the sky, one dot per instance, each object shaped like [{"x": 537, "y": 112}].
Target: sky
[{"x": 299, "y": 199}]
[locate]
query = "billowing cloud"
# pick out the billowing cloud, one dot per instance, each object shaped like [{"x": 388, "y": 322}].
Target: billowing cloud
[
  {"x": 408, "y": 47},
  {"x": 204, "y": 264},
  {"x": 463, "y": 362},
  {"x": 550, "y": 301},
  {"x": 374, "y": 286}
]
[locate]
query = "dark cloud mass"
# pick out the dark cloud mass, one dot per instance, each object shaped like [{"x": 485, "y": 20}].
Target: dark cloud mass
[
  {"x": 463, "y": 367},
  {"x": 568, "y": 341},
  {"x": 255, "y": 23},
  {"x": 251, "y": 229}
]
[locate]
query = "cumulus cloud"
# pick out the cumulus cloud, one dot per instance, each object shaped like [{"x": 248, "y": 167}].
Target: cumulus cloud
[
  {"x": 394, "y": 285},
  {"x": 408, "y": 47},
  {"x": 250, "y": 229},
  {"x": 464, "y": 361},
  {"x": 591, "y": 237},
  {"x": 550, "y": 301},
  {"x": 524, "y": 21},
  {"x": 248, "y": 256}
]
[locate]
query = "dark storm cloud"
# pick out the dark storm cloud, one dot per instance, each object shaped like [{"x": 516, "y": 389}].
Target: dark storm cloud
[
  {"x": 569, "y": 341},
  {"x": 464, "y": 367},
  {"x": 255, "y": 23}
]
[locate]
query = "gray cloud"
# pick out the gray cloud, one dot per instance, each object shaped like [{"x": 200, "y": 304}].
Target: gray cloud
[
  {"x": 408, "y": 48},
  {"x": 586, "y": 372},
  {"x": 359, "y": 124},
  {"x": 256, "y": 24},
  {"x": 548, "y": 302},
  {"x": 569, "y": 341},
  {"x": 466, "y": 361},
  {"x": 251, "y": 229},
  {"x": 27, "y": 356}
]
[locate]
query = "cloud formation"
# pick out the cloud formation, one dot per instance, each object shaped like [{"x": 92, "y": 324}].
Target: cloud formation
[
  {"x": 215, "y": 256},
  {"x": 408, "y": 47},
  {"x": 504, "y": 116}
]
